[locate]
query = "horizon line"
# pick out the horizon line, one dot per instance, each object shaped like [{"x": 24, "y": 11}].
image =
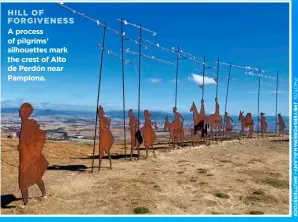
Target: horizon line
[{"x": 121, "y": 110}]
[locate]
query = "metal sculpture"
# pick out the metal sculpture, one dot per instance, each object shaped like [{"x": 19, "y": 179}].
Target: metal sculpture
[
  {"x": 133, "y": 128},
  {"x": 229, "y": 126},
  {"x": 32, "y": 164},
  {"x": 148, "y": 133},
  {"x": 213, "y": 120},
  {"x": 246, "y": 122},
  {"x": 168, "y": 126},
  {"x": 106, "y": 138},
  {"x": 178, "y": 126},
  {"x": 264, "y": 123},
  {"x": 281, "y": 124},
  {"x": 176, "y": 130},
  {"x": 199, "y": 119},
  {"x": 216, "y": 119}
]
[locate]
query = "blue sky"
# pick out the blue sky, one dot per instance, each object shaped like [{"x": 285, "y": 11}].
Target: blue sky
[{"x": 246, "y": 34}]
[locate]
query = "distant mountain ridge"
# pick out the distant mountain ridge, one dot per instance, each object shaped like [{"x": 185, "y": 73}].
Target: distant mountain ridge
[
  {"x": 84, "y": 117},
  {"x": 112, "y": 114}
]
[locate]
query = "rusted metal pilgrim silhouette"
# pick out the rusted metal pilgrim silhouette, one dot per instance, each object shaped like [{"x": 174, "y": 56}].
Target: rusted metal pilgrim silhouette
[
  {"x": 165, "y": 126},
  {"x": 216, "y": 120},
  {"x": 198, "y": 118},
  {"x": 148, "y": 133},
  {"x": 246, "y": 122},
  {"x": 229, "y": 126},
  {"x": 33, "y": 164},
  {"x": 168, "y": 127},
  {"x": 106, "y": 138},
  {"x": 133, "y": 128},
  {"x": 281, "y": 124},
  {"x": 264, "y": 124},
  {"x": 176, "y": 128}
]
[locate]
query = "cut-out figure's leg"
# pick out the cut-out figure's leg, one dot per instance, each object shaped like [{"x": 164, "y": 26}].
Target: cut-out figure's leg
[
  {"x": 146, "y": 151},
  {"x": 138, "y": 147},
  {"x": 110, "y": 159},
  {"x": 101, "y": 154},
  {"x": 42, "y": 188},
  {"x": 131, "y": 151},
  {"x": 25, "y": 196},
  {"x": 100, "y": 161}
]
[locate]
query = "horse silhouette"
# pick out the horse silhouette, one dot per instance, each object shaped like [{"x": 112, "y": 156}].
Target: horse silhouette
[{"x": 213, "y": 120}]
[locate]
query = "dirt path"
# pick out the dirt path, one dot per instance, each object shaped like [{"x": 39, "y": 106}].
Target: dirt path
[{"x": 232, "y": 177}]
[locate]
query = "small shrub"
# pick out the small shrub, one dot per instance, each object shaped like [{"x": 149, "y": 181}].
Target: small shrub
[
  {"x": 222, "y": 195},
  {"x": 277, "y": 183},
  {"x": 141, "y": 210}
]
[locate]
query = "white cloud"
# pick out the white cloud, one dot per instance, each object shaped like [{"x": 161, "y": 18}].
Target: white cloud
[
  {"x": 155, "y": 80},
  {"x": 278, "y": 92},
  {"x": 12, "y": 103},
  {"x": 198, "y": 79}
]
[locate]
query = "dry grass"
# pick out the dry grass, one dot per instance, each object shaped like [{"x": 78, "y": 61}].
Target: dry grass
[
  {"x": 277, "y": 183},
  {"x": 182, "y": 181}
]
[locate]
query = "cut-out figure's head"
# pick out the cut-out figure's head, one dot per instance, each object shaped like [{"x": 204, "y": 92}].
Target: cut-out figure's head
[
  {"x": 100, "y": 111},
  {"x": 174, "y": 109},
  {"x": 202, "y": 101},
  {"x": 248, "y": 117},
  {"x": 25, "y": 111},
  {"x": 130, "y": 113},
  {"x": 147, "y": 114}
]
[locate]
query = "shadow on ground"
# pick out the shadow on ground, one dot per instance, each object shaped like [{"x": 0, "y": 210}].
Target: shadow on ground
[
  {"x": 7, "y": 199},
  {"x": 280, "y": 141},
  {"x": 113, "y": 156},
  {"x": 68, "y": 167}
]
